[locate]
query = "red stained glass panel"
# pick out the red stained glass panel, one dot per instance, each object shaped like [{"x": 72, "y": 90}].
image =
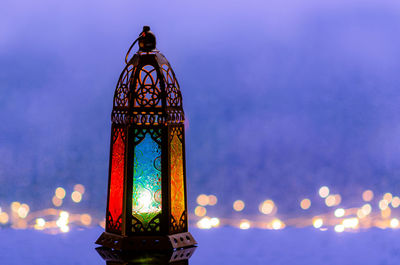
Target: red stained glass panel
[{"x": 116, "y": 184}]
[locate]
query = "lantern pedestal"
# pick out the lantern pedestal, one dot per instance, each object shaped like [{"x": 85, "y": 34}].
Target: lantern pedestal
[
  {"x": 112, "y": 256},
  {"x": 175, "y": 241}
]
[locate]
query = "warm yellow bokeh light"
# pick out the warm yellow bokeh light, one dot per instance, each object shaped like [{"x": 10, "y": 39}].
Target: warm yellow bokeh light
[
  {"x": 204, "y": 223},
  {"x": 277, "y": 224},
  {"x": 86, "y": 219},
  {"x": 23, "y": 210},
  {"x": 395, "y": 202},
  {"x": 200, "y": 211},
  {"x": 305, "y": 204},
  {"x": 388, "y": 197},
  {"x": 368, "y": 195},
  {"x": 244, "y": 224},
  {"x": 267, "y": 207},
  {"x": 60, "y": 193},
  {"x": 350, "y": 223},
  {"x": 56, "y": 201},
  {"x": 214, "y": 222},
  {"x": 4, "y": 218},
  {"x": 330, "y": 201},
  {"x": 15, "y": 206},
  {"x": 394, "y": 223},
  {"x": 238, "y": 205},
  {"x": 40, "y": 222},
  {"x": 79, "y": 188},
  {"x": 202, "y": 200},
  {"x": 339, "y": 228},
  {"x": 212, "y": 200},
  {"x": 76, "y": 196},
  {"x": 323, "y": 192},
  {"x": 339, "y": 212},
  {"x": 318, "y": 222}
]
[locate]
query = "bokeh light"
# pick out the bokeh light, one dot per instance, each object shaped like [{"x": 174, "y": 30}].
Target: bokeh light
[
  {"x": 323, "y": 192},
  {"x": 368, "y": 195},
  {"x": 60, "y": 193},
  {"x": 86, "y": 219},
  {"x": 23, "y": 210},
  {"x": 395, "y": 202},
  {"x": 57, "y": 201},
  {"x": 330, "y": 201},
  {"x": 277, "y": 224},
  {"x": 339, "y": 212},
  {"x": 394, "y": 223},
  {"x": 244, "y": 224},
  {"x": 204, "y": 223},
  {"x": 238, "y": 205},
  {"x": 214, "y": 222},
  {"x": 4, "y": 218},
  {"x": 305, "y": 204},
  {"x": 76, "y": 196},
  {"x": 200, "y": 211},
  {"x": 267, "y": 207},
  {"x": 388, "y": 197},
  {"x": 318, "y": 222},
  {"x": 202, "y": 200},
  {"x": 15, "y": 206},
  {"x": 339, "y": 228},
  {"x": 212, "y": 200},
  {"x": 79, "y": 188}
]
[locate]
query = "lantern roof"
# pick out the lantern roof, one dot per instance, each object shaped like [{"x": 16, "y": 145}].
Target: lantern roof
[{"x": 147, "y": 91}]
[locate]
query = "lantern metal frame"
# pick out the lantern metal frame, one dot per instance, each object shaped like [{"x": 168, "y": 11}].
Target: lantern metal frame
[{"x": 147, "y": 99}]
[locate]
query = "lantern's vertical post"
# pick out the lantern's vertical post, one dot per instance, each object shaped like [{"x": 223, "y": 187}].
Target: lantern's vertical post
[
  {"x": 184, "y": 176},
  {"x": 165, "y": 180}
]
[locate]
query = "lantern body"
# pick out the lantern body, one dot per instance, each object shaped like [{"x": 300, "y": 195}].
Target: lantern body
[{"x": 146, "y": 206}]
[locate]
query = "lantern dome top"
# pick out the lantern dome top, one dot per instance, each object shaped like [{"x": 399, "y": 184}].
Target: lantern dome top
[{"x": 147, "y": 91}]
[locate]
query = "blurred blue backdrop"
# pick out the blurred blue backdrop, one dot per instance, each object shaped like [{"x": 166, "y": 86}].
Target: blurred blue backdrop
[{"x": 281, "y": 96}]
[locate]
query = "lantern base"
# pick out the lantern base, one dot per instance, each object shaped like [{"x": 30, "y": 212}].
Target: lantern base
[
  {"x": 175, "y": 241},
  {"x": 150, "y": 257}
]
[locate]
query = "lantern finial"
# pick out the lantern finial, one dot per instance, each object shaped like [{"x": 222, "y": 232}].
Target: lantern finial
[{"x": 147, "y": 40}]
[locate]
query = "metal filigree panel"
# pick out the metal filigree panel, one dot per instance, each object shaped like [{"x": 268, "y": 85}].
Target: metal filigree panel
[{"x": 147, "y": 91}]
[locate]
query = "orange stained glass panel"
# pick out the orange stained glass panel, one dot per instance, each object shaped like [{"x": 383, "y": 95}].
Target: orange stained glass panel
[{"x": 177, "y": 184}]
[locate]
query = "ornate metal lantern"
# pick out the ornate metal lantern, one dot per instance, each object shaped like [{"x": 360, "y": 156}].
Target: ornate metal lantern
[{"x": 146, "y": 205}]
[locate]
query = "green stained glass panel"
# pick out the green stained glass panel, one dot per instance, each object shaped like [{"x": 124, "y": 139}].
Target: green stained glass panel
[{"x": 146, "y": 201}]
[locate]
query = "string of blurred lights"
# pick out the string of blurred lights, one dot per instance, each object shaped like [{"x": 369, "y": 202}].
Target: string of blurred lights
[{"x": 340, "y": 219}]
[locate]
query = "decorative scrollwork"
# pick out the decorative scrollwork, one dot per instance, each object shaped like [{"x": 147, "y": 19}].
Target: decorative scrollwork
[
  {"x": 154, "y": 133},
  {"x": 175, "y": 116},
  {"x": 174, "y": 96},
  {"x": 113, "y": 225},
  {"x": 121, "y": 96},
  {"x": 153, "y": 226},
  {"x": 177, "y": 227},
  {"x": 147, "y": 91}
]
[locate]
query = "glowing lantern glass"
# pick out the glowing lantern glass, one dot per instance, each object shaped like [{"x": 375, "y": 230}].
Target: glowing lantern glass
[{"x": 146, "y": 205}]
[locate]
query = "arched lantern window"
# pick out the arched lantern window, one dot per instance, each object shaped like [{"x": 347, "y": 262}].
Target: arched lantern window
[{"x": 147, "y": 206}]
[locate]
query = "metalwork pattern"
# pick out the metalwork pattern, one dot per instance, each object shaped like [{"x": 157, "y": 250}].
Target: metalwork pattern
[
  {"x": 174, "y": 95},
  {"x": 147, "y": 92}
]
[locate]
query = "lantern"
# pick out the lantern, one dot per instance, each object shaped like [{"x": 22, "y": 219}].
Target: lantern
[{"x": 146, "y": 202}]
